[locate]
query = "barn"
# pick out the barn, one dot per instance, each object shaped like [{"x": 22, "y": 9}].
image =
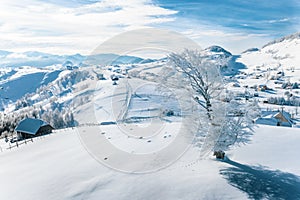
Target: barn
[
  {"x": 275, "y": 118},
  {"x": 30, "y": 127}
]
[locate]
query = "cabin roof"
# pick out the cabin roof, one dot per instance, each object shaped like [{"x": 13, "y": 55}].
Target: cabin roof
[{"x": 30, "y": 125}]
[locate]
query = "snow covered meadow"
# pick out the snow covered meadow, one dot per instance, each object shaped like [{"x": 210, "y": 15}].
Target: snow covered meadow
[{"x": 58, "y": 167}]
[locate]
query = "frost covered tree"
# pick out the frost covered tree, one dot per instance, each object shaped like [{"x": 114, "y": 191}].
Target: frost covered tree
[
  {"x": 202, "y": 74},
  {"x": 237, "y": 126},
  {"x": 227, "y": 122}
]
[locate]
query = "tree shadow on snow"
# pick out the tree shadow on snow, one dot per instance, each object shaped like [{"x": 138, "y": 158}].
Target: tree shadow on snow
[{"x": 261, "y": 183}]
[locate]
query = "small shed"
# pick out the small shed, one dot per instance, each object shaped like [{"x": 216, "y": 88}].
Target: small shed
[{"x": 30, "y": 127}]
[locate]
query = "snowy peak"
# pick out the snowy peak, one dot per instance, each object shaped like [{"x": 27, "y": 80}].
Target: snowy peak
[{"x": 218, "y": 50}]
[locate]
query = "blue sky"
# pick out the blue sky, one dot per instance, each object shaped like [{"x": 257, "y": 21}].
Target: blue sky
[
  {"x": 274, "y": 17},
  {"x": 78, "y": 26},
  {"x": 237, "y": 24}
]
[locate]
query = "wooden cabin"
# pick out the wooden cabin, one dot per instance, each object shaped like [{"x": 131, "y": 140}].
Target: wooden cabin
[{"x": 30, "y": 127}]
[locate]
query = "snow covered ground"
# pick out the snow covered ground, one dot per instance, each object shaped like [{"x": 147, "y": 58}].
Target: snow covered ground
[{"x": 57, "y": 166}]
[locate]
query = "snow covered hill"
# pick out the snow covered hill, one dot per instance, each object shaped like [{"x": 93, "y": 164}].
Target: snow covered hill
[
  {"x": 218, "y": 50},
  {"x": 58, "y": 167},
  {"x": 16, "y": 83},
  {"x": 282, "y": 53},
  {"x": 22, "y": 74}
]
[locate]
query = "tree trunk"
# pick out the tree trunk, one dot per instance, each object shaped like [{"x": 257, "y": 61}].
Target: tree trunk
[{"x": 219, "y": 154}]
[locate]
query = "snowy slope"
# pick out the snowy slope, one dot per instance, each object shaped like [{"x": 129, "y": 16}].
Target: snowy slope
[
  {"x": 275, "y": 66},
  {"x": 18, "y": 82},
  {"x": 58, "y": 167},
  {"x": 283, "y": 53}
]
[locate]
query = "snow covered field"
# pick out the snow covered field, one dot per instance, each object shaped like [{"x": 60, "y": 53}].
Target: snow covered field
[{"x": 58, "y": 167}]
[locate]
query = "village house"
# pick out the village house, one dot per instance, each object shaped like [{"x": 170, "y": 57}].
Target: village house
[
  {"x": 30, "y": 127},
  {"x": 275, "y": 118}
]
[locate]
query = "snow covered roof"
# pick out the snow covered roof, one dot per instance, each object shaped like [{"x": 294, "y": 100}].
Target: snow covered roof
[
  {"x": 272, "y": 114},
  {"x": 273, "y": 117},
  {"x": 30, "y": 125},
  {"x": 267, "y": 121}
]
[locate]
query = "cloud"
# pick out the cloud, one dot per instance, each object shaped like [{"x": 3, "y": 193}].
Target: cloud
[
  {"x": 57, "y": 28},
  {"x": 279, "y": 20},
  {"x": 79, "y": 26}
]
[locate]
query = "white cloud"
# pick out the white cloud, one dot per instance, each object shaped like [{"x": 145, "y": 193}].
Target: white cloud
[
  {"x": 33, "y": 25},
  {"x": 278, "y": 20}
]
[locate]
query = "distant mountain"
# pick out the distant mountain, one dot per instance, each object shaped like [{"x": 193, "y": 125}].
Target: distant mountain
[
  {"x": 251, "y": 50},
  {"x": 113, "y": 59},
  {"x": 4, "y": 53},
  {"x": 217, "y": 50},
  {"x": 40, "y": 59},
  {"x": 36, "y": 59},
  {"x": 148, "y": 60}
]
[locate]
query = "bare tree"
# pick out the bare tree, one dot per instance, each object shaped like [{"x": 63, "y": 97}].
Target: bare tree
[
  {"x": 203, "y": 76},
  {"x": 228, "y": 122}
]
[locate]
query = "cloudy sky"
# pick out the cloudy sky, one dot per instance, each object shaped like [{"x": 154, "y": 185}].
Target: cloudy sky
[{"x": 79, "y": 26}]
